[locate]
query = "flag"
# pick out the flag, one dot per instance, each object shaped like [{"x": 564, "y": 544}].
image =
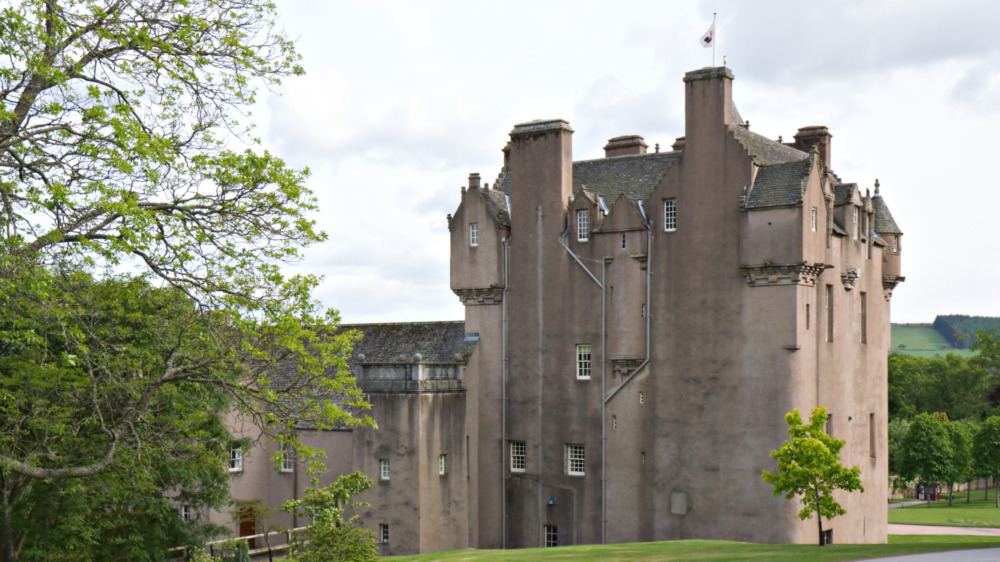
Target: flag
[{"x": 708, "y": 39}]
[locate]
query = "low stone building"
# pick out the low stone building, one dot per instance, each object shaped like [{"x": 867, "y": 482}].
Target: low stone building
[{"x": 636, "y": 328}]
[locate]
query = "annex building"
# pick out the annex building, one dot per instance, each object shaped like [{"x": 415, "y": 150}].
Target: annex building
[{"x": 636, "y": 327}]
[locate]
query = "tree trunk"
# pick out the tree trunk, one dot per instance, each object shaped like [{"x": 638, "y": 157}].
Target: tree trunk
[
  {"x": 968, "y": 491},
  {"x": 997, "y": 493},
  {"x": 927, "y": 494},
  {"x": 819, "y": 518},
  {"x": 951, "y": 492}
]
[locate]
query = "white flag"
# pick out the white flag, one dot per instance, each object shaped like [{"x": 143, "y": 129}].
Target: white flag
[{"x": 708, "y": 39}]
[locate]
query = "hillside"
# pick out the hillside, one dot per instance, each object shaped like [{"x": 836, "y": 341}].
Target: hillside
[{"x": 922, "y": 340}]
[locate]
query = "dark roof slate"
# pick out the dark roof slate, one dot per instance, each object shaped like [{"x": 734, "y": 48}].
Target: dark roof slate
[
  {"x": 764, "y": 151},
  {"x": 435, "y": 342},
  {"x": 496, "y": 203},
  {"x": 884, "y": 223},
  {"x": 779, "y": 185},
  {"x": 842, "y": 192},
  {"x": 634, "y": 176}
]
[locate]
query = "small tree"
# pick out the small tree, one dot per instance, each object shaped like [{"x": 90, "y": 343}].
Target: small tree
[
  {"x": 809, "y": 468},
  {"x": 927, "y": 452},
  {"x": 331, "y": 536},
  {"x": 986, "y": 449},
  {"x": 961, "y": 460}
]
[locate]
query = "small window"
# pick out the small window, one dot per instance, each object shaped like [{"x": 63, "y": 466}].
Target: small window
[
  {"x": 287, "y": 457},
  {"x": 583, "y": 361},
  {"x": 670, "y": 215},
  {"x": 575, "y": 460},
  {"x": 614, "y": 423},
  {"x": 829, "y": 424},
  {"x": 642, "y": 397},
  {"x": 187, "y": 514},
  {"x": 235, "y": 460},
  {"x": 383, "y": 533},
  {"x": 441, "y": 465},
  {"x": 474, "y": 234},
  {"x": 828, "y": 299},
  {"x": 644, "y": 458},
  {"x": 643, "y": 311},
  {"x": 871, "y": 435},
  {"x": 518, "y": 456},
  {"x": 582, "y": 229},
  {"x": 895, "y": 242},
  {"x": 814, "y": 222},
  {"x": 551, "y": 536},
  {"x": 807, "y": 316},
  {"x": 624, "y": 241},
  {"x": 863, "y": 318},
  {"x": 857, "y": 224},
  {"x": 383, "y": 469}
]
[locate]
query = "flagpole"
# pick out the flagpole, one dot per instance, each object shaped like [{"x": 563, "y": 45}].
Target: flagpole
[{"x": 714, "y": 39}]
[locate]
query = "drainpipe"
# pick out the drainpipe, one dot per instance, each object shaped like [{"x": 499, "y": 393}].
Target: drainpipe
[{"x": 503, "y": 396}]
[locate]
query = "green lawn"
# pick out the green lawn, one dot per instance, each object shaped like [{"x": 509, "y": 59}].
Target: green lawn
[
  {"x": 721, "y": 550},
  {"x": 979, "y": 513},
  {"x": 924, "y": 341}
]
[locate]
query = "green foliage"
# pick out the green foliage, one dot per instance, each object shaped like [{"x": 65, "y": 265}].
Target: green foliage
[
  {"x": 986, "y": 449},
  {"x": 928, "y": 456},
  {"x": 897, "y": 431},
  {"x": 332, "y": 536},
  {"x": 141, "y": 294},
  {"x": 959, "y": 329},
  {"x": 960, "y": 387},
  {"x": 809, "y": 468},
  {"x": 962, "y": 466}
]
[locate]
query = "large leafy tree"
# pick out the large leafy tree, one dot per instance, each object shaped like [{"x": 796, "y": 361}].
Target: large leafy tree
[
  {"x": 986, "y": 450},
  {"x": 140, "y": 255},
  {"x": 928, "y": 455},
  {"x": 809, "y": 468}
]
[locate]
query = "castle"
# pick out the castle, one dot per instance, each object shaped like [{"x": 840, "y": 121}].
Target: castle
[{"x": 636, "y": 328}]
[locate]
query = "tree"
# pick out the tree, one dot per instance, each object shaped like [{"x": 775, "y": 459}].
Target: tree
[
  {"x": 139, "y": 256},
  {"x": 927, "y": 452},
  {"x": 332, "y": 536},
  {"x": 809, "y": 468},
  {"x": 986, "y": 449},
  {"x": 962, "y": 470},
  {"x": 897, "y": 431}
]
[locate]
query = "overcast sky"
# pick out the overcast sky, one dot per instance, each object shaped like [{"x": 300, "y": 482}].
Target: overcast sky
[{"x": 402, "y": 100}]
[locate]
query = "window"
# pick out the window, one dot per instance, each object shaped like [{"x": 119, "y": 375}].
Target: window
[
  {"x": 575, "y": 460},
  {"x": 383, "y": 469},
  {"x": 441, "y": 471},
  {"x": 582, "y": 230},
  {"x": 863, "y": 318},
  {"x": 624, "y": 239},
  {"x": 871, "y": 435},
  {"x": 895, "y": 242},
  {"x": 583, "y": 361},
  {"x": 236, "y": 460},
  {"x": 518, "y": 456},
  {"x": 614, "y": 423},
  {"x": 551, "y": 536},
  {"x": 857, "y": 224},
  {"x": 829, "y": 424},
  {"x": 829, "y": 313},
  {"x": 642, "y": 313},
  {"x": 186, "y": 513},
  {"x": 642, "y": 397},
  {"x": 807, "y": 316},
  {"x": 813, "y": 221},
  {"x": 670, "y": 215},
  {"x": 474, "y": 234},
  {"x": 644, "y": 458},
  {"x": 383, "y": 533},
  {"x": 287, "y": 457}
]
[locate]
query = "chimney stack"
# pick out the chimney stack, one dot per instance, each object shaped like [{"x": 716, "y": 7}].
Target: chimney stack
[
  {"x": 818, "y": 136},
  {"x": 625, "y": 146},
  {"x": 708, "y": 106}
]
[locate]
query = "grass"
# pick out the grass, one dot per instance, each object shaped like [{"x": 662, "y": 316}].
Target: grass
[
  {"x": 721, "y": 550},
  {"x": 924, "y": 341},
  {"x": 978, "y": 513}
]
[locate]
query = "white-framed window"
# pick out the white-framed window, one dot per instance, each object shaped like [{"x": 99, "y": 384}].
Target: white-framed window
[
  {"x": 863, "y": 317},
  {"x": 383, "y": 469},
  {"x": 828, "y": 300},
  {"x": 583, "y": 361},
  {"x": 551, "y": 536},
  {"x": 473, "y": 234},
  {"x": 383, "y": 533},
  {"x": 642, "y": 397},
  {"x": 518, "y": 456},
  {"x": 582, "y": 227},
  {"x": 576, "y": 460},
  {"x": 187, "y": 514},
  {"x": 287, "y": 457},
  {"x": 814, "y": 220},
  {"x": 669, "y": 215},
  {"x": 236, "y": 460},
  {"x": 857, "y": 223},
  {"x": 441, "y": 465}
]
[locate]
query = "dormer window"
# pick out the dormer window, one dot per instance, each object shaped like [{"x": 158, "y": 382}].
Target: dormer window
[
  {"x": 473, "y": 234},
  {"x": 582, "y": 228}
]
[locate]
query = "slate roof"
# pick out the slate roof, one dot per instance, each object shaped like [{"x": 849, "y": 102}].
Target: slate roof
[
  {"x": 766, "y": 152},
  {"x": 842, "y": 192},
  {"x": 436, "y": 342},
  {"x": 884, "y": 223},
  {"x": 635, "y": 176},
  {"x": 496, "y": 203},
  {"x": 779, "y": 185}
]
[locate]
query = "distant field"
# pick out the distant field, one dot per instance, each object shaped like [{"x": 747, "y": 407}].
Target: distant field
[{"x": 922, "y": 340}]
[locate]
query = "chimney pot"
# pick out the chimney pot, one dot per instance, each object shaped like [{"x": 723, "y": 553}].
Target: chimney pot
[
  {"x": 624, "y": 146},
  {"x": 473, "y": 180}
]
